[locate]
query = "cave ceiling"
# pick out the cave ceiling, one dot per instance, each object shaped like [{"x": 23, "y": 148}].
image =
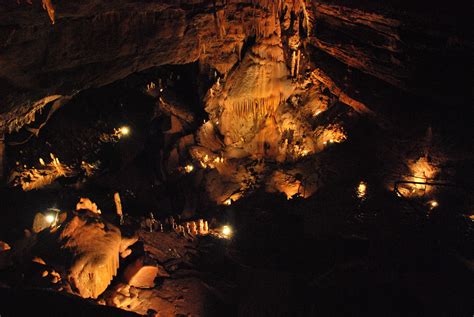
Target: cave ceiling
[{"x": 92, "y": 44}]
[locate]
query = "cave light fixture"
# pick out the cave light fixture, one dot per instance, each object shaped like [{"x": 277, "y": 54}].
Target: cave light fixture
[
  {"x": 227, "y": 231},
  {"x": 124, "y": 130},
  {"x": 433, "y": 204},
  {"x": 228, "y": 202},
  {"x": 189, "y": 168},
  {"x": 52, "y": 216},
  {"x": 361, "y": 190}
]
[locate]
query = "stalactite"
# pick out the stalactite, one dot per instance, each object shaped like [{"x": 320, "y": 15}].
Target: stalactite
[
  {"x": 298, "y": 64},
  {"x": 293, "y": 62}
]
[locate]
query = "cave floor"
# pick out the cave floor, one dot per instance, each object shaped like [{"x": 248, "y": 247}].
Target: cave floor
[{"x": 332, "y": 254}]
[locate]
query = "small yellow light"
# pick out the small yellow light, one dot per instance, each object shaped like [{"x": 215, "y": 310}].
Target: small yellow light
[
  {"x": 362, "y": 190},
  {"x": 433, "y": 204},
  {"x": 50, "y": 218},
  {"x": 189, "y": 168},
  {"x": 226, "y": 231},
  {"x": 228, "y": 202},
  {"x": 124, "y": 130}
]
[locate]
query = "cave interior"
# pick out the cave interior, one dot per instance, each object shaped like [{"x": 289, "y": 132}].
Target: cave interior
[{"x": 236, "y": 158}]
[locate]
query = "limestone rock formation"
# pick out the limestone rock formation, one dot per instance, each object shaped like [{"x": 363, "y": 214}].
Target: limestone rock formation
[
  {"x": 94, "y": 247},
  {"x": 142, "y": 273},
  {"x": 4, "y": 246}
]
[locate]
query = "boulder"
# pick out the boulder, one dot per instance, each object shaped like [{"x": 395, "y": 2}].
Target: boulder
[
  {"x": 142, "y": 273},
  {"x": 4, "y": 246},
  {"x": 94, "y": 246}
]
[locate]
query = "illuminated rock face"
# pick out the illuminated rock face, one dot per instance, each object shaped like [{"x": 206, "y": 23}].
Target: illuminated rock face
[
  {"x": 94, "y": 246},
  {"x": 142, "y": 273},
  {"x": 278, "y": 67},
  {"x": 92, "y": 44}
]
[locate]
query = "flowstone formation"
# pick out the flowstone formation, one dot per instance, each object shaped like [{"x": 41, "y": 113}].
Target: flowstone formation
[{"x": 268, "y": 110}]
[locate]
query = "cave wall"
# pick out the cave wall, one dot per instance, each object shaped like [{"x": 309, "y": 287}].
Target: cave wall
[{"x": 421, "y": 48}]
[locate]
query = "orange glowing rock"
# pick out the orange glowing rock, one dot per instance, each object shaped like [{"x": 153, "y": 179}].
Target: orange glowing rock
[
  {"x": 4, "y": 246},
  {"x": 94, "y": 247},
  {"x": 142, "y": 273},
  {"x": 194, "y": 230},
  {"x": 421, "y": 171},
  {"x": 48, "y": 6},
  {"x": 87, "y": 204},
  {"x": 38, "y": 260}
]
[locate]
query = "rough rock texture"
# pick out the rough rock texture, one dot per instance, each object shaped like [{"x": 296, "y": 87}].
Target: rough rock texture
[
  {"x": 93, "y": 44},
  {"x": 142, "y": 273},
  {"x": 186, "y": 291},
  {"x": 279, "y": 71},
  {"x": 94, "y": 246},
  {"x": 421, "y": 47}
]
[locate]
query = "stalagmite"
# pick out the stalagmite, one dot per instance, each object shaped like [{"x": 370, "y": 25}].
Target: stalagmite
[
  {"x": 194, "y": 228},
  {"x": 172, "y": 223},
  {"x": 118, "y": 206},
  {"x": 201, "y": 226},
  {"x": 188, "y": 228}
]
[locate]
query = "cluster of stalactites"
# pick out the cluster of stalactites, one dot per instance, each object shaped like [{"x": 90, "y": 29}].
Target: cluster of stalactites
[
  {"x": 255, "y": 108},
  {"x": 18, "y": 118}
]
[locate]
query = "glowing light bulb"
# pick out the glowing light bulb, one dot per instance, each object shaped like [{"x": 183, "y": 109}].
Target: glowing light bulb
[
  {"x": 50, "y": 218},
  {"x": 433, "y": 204},
  {"x": 362, "y": 190},
  {"x": 189, "y": 168},
  {"x": 228, "y": 202},
  {"x": 124, "y": 130},
  {"x": 227, "y": 231}
]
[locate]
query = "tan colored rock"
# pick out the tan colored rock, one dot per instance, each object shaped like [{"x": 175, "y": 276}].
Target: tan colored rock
[
  {"x": 4, "y": 246},
  {"x": 40, "y": 223},
  {"x": 142, "y": 273},
  {"x": 194, "y": 229},
  {"x": 38, "y": 260},
  {"x": 87, "y": 204},
  {"x": 94, "y": 246}
]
